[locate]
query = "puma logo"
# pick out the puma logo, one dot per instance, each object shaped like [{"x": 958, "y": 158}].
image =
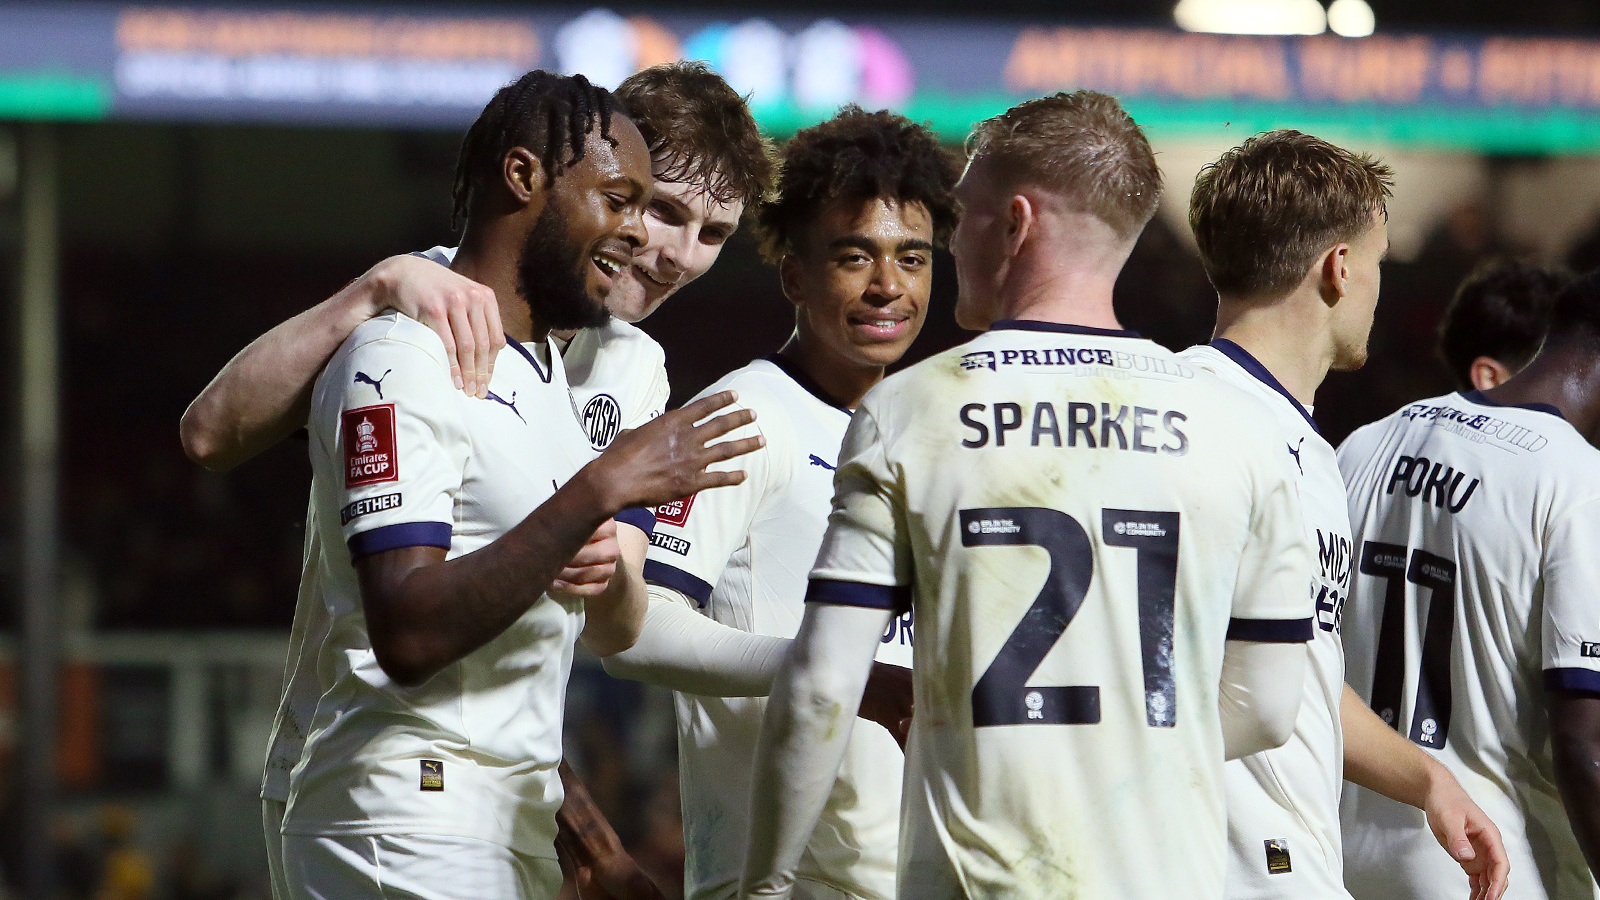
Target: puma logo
[
  {"x": 1295, "y": 452},
  {"x": 364, "y": 378},
  {"x": 819, "y": 461},
  {"x": 512, "y": 403}
]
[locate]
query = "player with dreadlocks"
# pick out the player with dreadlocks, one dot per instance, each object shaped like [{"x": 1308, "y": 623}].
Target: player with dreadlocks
[
  {"x": 439, "y": 609},
  {"x": 709, "y": 162},
  {"x": 863, "y": 200}
]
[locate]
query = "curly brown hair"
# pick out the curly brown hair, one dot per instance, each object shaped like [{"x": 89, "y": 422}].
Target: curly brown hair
[
  {"x": 699, "y": 129},
  {"x": 858, "y": 154}
]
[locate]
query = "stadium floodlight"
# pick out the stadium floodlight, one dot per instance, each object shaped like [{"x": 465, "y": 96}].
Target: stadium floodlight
[
  {"x": 1252, "y": 16},
  {"x": 1351, "y": 18}
]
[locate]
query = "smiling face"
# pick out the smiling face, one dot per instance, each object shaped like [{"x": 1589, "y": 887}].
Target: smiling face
[
  {"x": 588, "y": 229},
  {"x": 687, "y": 231},
  {"x": 859, "y": 275}
]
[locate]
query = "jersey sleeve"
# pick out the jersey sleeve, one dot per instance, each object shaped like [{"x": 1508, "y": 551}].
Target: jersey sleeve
[
  {"x": 1272, "y": 596},
  {"x": 398, "y": 445},
  {"x": 1571, "y": 627},
  {"x": 654, "y": 399},
  {"x": 865, "y": 558},
  {"x": 694, "y": 537}
]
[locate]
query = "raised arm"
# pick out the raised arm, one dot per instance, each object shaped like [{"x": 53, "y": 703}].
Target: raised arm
[
  {"x": 264, "y": 393},
  {"x": 1575, "y": 747},
  {"x": 424, "y": 612},
  {"x": 1379, "y": 759}
]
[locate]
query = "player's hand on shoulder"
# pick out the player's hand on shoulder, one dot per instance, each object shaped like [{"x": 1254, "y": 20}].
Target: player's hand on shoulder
[
  {"x": 587, "y": 575},
  {"x": 1467, "y": 834},
  {"x": 666, "y": 458},
  {"x": 464, "y": 313},
  {"x": 887, "y": 700}
]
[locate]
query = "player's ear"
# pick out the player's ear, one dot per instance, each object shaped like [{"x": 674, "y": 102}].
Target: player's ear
[
  {"x": 523, "y": 175},
  {"x": 1020, "y": 216},
  {"x": 789, "y": 278},
  {"x": 1487, "y": 372},
  {"x": 1334, "y": 273}
]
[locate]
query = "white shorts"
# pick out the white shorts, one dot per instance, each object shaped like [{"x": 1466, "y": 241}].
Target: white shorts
[
  {"x": 272, "y": 831},
  {"x": 413, "y": 867}
]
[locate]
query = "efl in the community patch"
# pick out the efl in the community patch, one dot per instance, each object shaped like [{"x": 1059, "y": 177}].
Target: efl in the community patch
[
  {"x": 676, "y": 512},
  {"x": 432, "y": 775},
  {"x": 1277, "y": 857},
  {"x": 369, "y": 446}
]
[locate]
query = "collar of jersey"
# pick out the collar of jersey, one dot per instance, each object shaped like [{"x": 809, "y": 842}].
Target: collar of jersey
[
  {"x": 1252, "y": 365},
  {"x": 798, "y": 376},
  {"x": 1059, "y": 327},
  {"x": 544, "y": 374},
  {"x": 1478, "y": 398}
]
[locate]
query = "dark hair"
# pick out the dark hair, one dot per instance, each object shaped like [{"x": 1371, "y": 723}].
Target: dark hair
[
  {"x": 1575, "y": 315},
  {"x": 1081, "y": 146},
  {"x": 699, "y": 129},
  {"x": 1264, "y": 211},
  {"x": 1500, "y": 311},
  {"x": 551, "y": 115},
  {"x": 858, "y": 155}
]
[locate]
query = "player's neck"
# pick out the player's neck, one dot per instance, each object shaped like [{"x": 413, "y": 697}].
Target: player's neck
[
  {"x": 490, "y": 259},
  {"x": 844, "y": 381},
  {"x": 1298, "y": 353},
  {"x": 1059, "y": 291},
  {"x": 1566, "y": 377}
]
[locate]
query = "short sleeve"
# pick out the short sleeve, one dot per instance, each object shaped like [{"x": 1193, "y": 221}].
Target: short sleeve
[
  {"x": 1272, "y": 597},
  {"x": 694, "y": 537},
  {"x": 1571, "y": 628},
  {"x": 391, "y": 433},
  {"x": 865, "y": 558}
]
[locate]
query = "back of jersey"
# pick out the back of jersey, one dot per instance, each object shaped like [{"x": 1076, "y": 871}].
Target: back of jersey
[
  {"x": 1084, "y": 521},
  {"x": 1476, "y": 527}
]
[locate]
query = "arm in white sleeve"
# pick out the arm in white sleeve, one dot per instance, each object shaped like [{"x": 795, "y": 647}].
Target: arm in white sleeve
[
  {"x": 681, "y": 649},
  {"x": 1260, "y": 695},
  {"x": 803, "y": 737}
]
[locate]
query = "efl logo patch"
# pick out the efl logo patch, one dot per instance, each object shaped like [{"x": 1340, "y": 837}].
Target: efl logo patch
[
  {"x": 369, "y": 446},
  {"x": 368, "y": 505},
  {"x": 1591, "y": 649},
  {"x": 676, "y": 512},
  {"x": 432, "y": 775},
  {"x": 1277, "y": 857}
]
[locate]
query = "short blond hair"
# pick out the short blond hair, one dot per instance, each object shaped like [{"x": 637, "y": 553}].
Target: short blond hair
[{"x": 1082, "y": 146}]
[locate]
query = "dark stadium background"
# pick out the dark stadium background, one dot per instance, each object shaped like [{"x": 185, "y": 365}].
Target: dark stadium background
[{"x": 182, "y": 242}]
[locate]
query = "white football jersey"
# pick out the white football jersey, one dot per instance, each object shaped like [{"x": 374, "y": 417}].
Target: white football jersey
[
  {"x": 618, "y": 379},
  {"x": 1477, "y": 527},
  {"x": 743, "y": 553},
  {"x": 1283, "y": 805},
  {"x": 401, "y": 458},
  {"x": 1080, "y": 521}
]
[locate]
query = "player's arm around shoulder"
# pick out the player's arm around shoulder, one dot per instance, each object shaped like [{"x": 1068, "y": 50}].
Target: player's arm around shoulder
[{"x": 264, "y": 393}]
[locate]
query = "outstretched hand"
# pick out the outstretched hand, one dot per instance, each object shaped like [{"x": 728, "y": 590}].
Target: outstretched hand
[
  {"x": 666, "y": 459},
  {"x": 464, "y": 313},
  {"x": 887, "y": 700},
  {"x": 1466, "y": 833}
]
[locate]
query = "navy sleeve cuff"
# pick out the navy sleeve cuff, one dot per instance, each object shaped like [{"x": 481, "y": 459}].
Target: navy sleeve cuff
[
  {"x": 1271, "y": 631},
  {"x": 393, "y": 537},
  {"x": 678, "y": 580},
  {"x": 1587, "y": 680},
  {"x": 854, "y": 593},
  {"x": 640, "y": 518}
]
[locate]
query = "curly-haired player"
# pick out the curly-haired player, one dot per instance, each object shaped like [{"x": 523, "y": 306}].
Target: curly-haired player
[{"x": 863, "y": 200}]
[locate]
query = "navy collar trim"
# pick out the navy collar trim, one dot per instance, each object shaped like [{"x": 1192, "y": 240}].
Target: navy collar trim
[
  {"x": 798, "y": 376},
  {"x": 544, "y": 374},
  {"x": 1479, "y": 398},
  {"x": 1252, "y": 365},
  {"x": 1061, "y": 328}
]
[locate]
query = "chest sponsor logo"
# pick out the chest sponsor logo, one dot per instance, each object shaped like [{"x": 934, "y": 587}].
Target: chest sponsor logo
[
  {"x": 602, "y": 420},
  {"x": 368, "y": 505},
  {"x": 670, "y": 543},
  {"x": 676, "y": 512},
  {"x": 432, "y": 775},
  {"x": 370, "y": 453},
  {"x": 1591, "y": 649}
]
